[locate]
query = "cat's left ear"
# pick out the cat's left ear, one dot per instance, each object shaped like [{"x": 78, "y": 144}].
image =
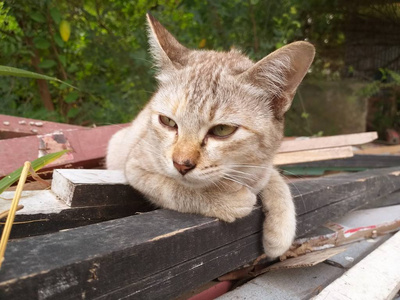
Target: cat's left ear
[
  {"x": 280, "y": 73},
  {"x": 166, "y": 50}
]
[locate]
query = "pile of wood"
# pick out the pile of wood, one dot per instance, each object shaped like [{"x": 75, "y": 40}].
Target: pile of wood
[{"x": 92, "y": 236}]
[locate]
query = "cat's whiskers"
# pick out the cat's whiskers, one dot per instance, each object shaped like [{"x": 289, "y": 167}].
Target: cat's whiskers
[
  {"x": 246, "y": 175},
  {"x": 234, "y": 179}
]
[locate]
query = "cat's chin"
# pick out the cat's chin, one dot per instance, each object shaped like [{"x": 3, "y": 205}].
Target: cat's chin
[{"x": 193, "y": 183}]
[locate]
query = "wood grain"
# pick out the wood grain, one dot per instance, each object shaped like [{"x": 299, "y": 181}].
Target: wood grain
[
  {"x": 151, "y": 254},
  {"x": 327, "y": 142},
  {"x": 376, "y": 277},
  {"x": 312, "y": 155}
]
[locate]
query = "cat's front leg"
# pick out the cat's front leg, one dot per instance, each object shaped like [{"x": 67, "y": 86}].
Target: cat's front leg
[
  {"x": 167, "y": 193},
  {"x": 280, "y": 221},
  {"x": 231, "y": 206}
]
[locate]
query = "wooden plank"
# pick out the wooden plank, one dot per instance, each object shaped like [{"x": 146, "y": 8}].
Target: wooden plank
[
  {"x": 44, "y": 213},
  {"x": 88, "y": 148},
  {"x": 11, "y": 127},
  {"x": 375, "y": 277},
  {"x": 327, "y": 142},
  {"x": 356, "y": 162},
  {"x": 93, "y": 187},
  {"x": 312, "y": 155},
  {"x": 380, "y": 150},
  {"x": 151, "y": 254}
]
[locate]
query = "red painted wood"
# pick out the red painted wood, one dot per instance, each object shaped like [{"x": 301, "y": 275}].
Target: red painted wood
[
  {"x": 88, "y": 148},
  {"x": 11, "y": 127}
]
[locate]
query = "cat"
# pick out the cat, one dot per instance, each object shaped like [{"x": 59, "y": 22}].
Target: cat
[{"x": 206, "y": 140}]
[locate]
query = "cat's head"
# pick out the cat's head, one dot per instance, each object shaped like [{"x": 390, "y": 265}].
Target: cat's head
[{"x": 218, "y": 114}]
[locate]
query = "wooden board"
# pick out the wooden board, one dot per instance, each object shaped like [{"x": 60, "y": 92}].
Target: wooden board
[
  {"x": 88, "y": 148},
  {"x": 377, "y": 276},
  {"x": 12, "y": 127},
  {"x": 327, "y": 142},
  {"x": 92, "y": 187},
  {"x": 367, "y": 161},
  {"x": 151, "y": 254},
  {"x": 312, "y": 155},
  {"x": 44, "y": 213},
  {"x": 380, "y": 150}
]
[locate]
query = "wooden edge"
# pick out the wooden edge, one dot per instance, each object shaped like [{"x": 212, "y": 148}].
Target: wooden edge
[
  {"x": 11, "y": 126},
  {"x": 380, "y": 150},
  {"x": 88, "y": 145},
  {"x": 328, "y": 142},
  {"x": 312, "y": 155},
  {"x": 377, "y": 276}
]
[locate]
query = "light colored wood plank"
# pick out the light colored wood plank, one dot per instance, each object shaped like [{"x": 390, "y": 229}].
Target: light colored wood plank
[
  {"x": 375, "y": 277},
  {"x": 380, "y": 150},
  {"x": 312, "y": 155},
  {"x": 328, "y": 142},
  {"x": 93, "y": 187}
]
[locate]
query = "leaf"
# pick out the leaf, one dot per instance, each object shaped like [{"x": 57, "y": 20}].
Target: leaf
[
  {"x": 65, "y": 30},
  {"x": 47, "y": 63},
  {"x": 58, "y": 40},
  {"x": 41, "y": 43},
  {"x": 63, "y": 59},
  {"x": 202, "y": 43},
  {"x": 72, "y": 97},
  {"x": 73, "y": 112},
  {"x": 10, "y": 71},
  {"x": 38, "y": 17},
  {"x": 37, "y": 164},
  {"x": 55, "y": 14},
  {"x": 305, "y": 115}
]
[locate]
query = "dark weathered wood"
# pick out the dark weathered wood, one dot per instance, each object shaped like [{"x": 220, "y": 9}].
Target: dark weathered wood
[
  {"x": 44, "y": 213},
  {"x": 356, "y": 162},
  {"x": 162, "y": 253}
]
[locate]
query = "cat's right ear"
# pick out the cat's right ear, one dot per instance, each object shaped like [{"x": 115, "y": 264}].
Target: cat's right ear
[{"x": 166, "y": 50}]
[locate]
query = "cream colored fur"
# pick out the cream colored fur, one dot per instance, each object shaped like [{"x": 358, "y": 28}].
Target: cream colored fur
[{"x": 199, "y": 90}]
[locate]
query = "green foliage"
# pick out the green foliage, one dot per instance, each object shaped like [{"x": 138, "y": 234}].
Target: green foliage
[{"x": 106, "y": 54}]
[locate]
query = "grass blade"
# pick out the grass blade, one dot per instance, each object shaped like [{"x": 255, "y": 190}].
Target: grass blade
[
  {"x": 37, "y": 164},
  {"x": 10, "y": 71}
]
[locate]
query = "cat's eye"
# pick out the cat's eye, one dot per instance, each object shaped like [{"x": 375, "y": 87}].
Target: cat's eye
[
  {"x": 167, "y": 122},
  {"x": 222, "y": 131}
]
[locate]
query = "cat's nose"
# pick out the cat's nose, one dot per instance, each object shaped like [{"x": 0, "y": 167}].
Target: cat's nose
[{"x": 185, "y": 167}]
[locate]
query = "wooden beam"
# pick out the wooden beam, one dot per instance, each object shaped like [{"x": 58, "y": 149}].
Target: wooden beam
[
  {"x": 12, "y": 127},
  {"x": 312, "y": 155},
  {"x": 357, "y": 161},
  {"x": 380, "y": 150},
  {"x": 88, "y": 148},
  {"x": 327, "y": 142},
  {"x": 44, "y": 212},
  {"x": 151, "y": 254},
  {"x": 377, "y": 276}
]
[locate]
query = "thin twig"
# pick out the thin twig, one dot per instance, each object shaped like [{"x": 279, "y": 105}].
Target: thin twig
[
  {"x": 6, "y": 212},
  {"x": 38, "y": 178},
  {"x": 13, "y": 209}
]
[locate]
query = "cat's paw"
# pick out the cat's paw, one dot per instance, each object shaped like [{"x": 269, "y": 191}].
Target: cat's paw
[
  {"x": 235, "y": 205},
  {"x": 278, "y": 234}
]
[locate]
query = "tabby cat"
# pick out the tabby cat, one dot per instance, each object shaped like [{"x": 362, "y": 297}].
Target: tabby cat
[{"x": 206, "y": 141}]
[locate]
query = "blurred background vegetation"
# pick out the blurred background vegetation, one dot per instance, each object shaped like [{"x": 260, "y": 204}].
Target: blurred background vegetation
[{"x": 101, "y": 48}]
